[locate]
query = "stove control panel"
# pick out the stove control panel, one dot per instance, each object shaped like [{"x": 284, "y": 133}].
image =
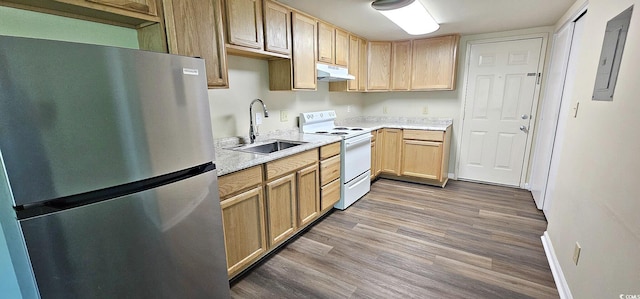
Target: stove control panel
[{"x": 318, "y": 116}]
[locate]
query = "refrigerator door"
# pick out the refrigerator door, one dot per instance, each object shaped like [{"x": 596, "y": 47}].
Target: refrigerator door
[
  {"x": 159, "y": 243},
  {"x": 76, "y": 117}
]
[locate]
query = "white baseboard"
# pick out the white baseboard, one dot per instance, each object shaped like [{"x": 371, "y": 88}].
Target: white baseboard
[
  {"x": 451, "y": 175},
  {"x": 558, "y": 276},
  {"x": 527, "y": 186}
]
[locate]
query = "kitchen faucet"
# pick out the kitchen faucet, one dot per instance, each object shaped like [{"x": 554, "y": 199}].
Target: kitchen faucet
[{"x": 252, "y": 135}]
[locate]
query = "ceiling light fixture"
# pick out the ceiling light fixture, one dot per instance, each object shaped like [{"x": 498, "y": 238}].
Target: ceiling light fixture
[{"x": 410, "y": 15}]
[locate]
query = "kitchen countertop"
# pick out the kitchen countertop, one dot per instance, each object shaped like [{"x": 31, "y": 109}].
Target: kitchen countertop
[
  {"x": 378, "y": 122},
  {"x": 228, "y": 161}
]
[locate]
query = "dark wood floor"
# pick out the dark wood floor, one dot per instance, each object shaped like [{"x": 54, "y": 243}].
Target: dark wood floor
[{"x": 406, "y": 240}]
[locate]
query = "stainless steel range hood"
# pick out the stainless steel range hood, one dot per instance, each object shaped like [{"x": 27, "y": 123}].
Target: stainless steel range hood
[{"x": 332, "y": 73}]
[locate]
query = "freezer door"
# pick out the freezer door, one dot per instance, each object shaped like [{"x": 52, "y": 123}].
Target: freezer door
[
  {"x": 76, "y": 117},
  {"x": 160, "y": 243}
]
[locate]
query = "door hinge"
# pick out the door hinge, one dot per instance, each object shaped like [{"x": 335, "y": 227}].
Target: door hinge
[{"x": 539, "y": 77}]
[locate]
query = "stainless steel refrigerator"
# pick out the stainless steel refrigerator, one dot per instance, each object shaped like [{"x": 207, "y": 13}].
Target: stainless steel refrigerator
[{"x": 108, "y": 185}]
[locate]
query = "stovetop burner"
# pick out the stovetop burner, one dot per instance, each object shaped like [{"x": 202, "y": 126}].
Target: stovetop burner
[
  {"x": 357, "y": 129},
  {"x": 341, "y": 128},
  {"x": 339, "y": 133},
  {"x": 322, "y": 132}
]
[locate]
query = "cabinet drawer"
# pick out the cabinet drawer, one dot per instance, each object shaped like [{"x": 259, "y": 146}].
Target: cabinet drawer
[
  {"x": 423, "y": 135},
  {"x": 289, "y": 164},
  {"x": 329, "y": 195},
  {"x": 329, "y": 170},
  {"x": 240, "y": 180},
  {"x": 329, "y": 150}
]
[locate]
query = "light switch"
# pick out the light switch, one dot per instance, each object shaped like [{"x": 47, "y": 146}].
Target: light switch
[
  {"x": 284, "y": 115},
  {"x": 258, "y": 118}
]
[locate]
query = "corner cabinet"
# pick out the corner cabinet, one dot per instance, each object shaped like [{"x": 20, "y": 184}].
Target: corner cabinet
[
  {"x": 194, "y": 28},
  {"x": 420, "y": 156},
  {"x": 390, "y": 151}
]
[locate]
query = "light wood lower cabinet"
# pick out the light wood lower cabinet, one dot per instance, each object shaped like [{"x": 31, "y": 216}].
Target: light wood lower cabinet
[
  {"x": 390, "y": 151},
  {"x": 281, "y": 208},
  {"x": 422, "y": 159},
  {"x": 244, "y": 228},
  {"x": 308, "y": 184},
  {"x": 413, "y": 155},
  {"x": 329, "y": 176}
]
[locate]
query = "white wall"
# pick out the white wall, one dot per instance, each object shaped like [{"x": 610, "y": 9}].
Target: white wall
[
  {"x": 596, "y": 200},
  {"x": 248, "y": 80}
]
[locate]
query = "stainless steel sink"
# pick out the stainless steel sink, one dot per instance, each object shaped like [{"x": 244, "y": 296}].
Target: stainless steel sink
[{"x": 268, "y": 147}]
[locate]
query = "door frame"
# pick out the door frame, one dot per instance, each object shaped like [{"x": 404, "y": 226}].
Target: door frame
[{"x": 536, "y": 97}]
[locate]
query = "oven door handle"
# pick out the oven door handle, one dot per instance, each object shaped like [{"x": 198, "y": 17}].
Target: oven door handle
[{"x": 358, "y": 140}]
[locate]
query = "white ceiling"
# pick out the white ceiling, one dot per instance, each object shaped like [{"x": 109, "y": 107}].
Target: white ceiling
[{"x": 455, "y": 16}]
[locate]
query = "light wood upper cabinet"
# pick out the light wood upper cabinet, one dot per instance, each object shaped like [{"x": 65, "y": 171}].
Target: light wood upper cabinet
[
  {"x": 194, "y": 28},
  {"x": 243, "y": 219},
  {"x": 362, "y": 72},
  {"x": 354, "y": 62},
  {"x": 244, "y": 23},
  {"x": 434, "y": 63},
  {"x": 304, "y": 48},
  {"x": 379, "y": 66},
  {"x": 390, "y": 150},
  {"x": 400, "y": 65},
  {"x": 308, "y": 186},
  {"x": 341, "y": 47},
  {"x": 277, "y": 28},
  {"x": 326, "y": 38},
  {"x": 281, "y": 208}
]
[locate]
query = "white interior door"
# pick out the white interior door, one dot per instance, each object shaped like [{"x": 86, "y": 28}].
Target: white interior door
[
  {"x": 548, "y": 120},
  {"x": 565, "y": 112},
  {"x": 501, "y": 86}
]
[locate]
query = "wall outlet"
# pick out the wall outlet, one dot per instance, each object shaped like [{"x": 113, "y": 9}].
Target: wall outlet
[
  {"x": 385, "y": 110},
  {"x": 284, "y": 115},
  {"x": 576, "y": 253},
  {"x": 425, "y": 110},
  {"x": 348, "y": 108}
]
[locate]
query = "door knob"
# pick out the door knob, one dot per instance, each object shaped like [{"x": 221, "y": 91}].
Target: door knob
[
  {"x": 524, "y": 116},
  {"x": 523, "y": 128}
]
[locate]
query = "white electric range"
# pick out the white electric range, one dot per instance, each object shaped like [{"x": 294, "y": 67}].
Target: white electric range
[{"x": 355, "y": 149}]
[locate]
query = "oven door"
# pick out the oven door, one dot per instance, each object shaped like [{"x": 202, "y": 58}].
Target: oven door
[{"x": 357, "y": 156}]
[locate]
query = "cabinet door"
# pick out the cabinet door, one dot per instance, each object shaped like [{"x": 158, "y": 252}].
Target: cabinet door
[
  {"x": 422, "y": 159},
  {"x": 379, "y": 65},
  {"x": 277, "y": 28},
  {"x": 401, "y": 65},
  {"x": 304, "y": 51},
  {"x": 281, "y": 208},
  {"x": 354, "y": 62},
  {"x": 308, "y": 203},
  {"x": 326, "y": 37},
  {"x": 194, "y": 28},
  {"x": 391, "y": 151},
  {"x": 362, "y": 73},
  {"x": 140, "y": 6},
  {"x": 243, "y": 219},
  {"x": 342, "y": 48},
  {"x": 434, "y": 63},
  {"x": 244, "y": 23}
]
